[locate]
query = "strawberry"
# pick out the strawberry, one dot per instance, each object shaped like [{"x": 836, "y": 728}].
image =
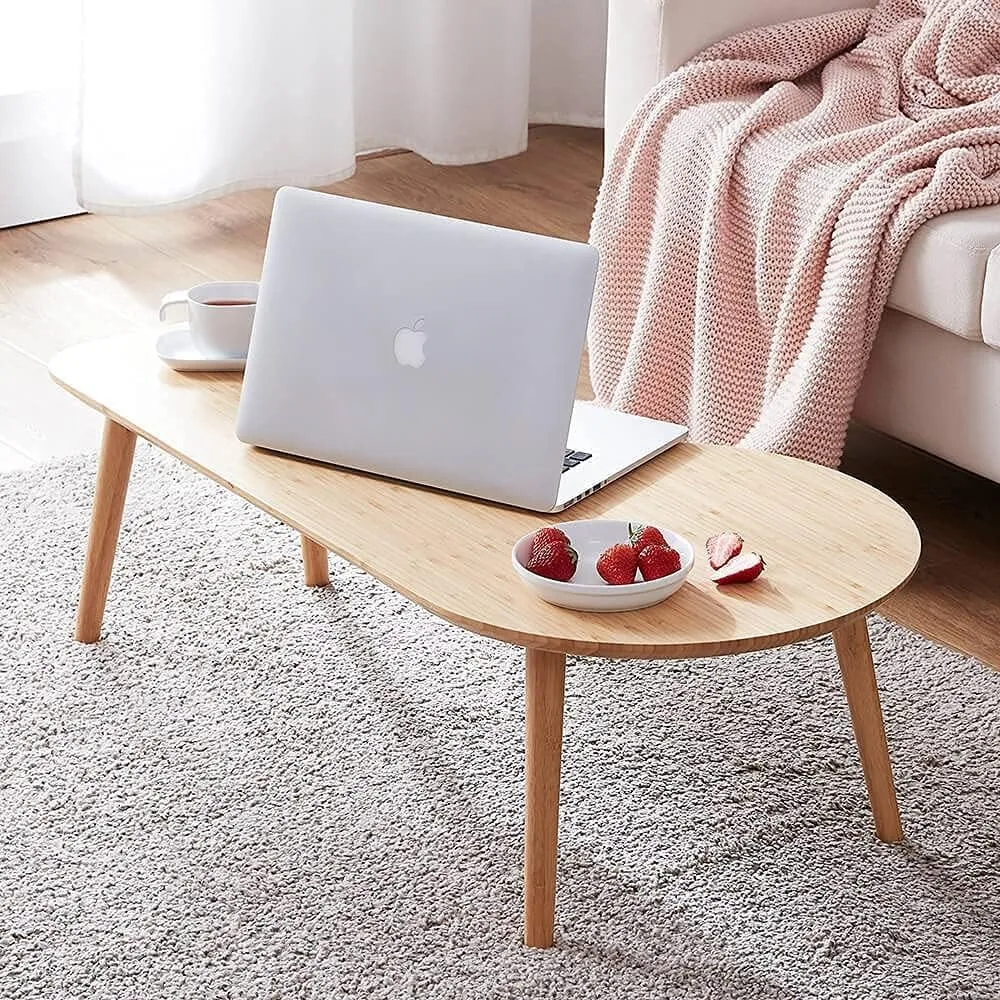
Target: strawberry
[
  {"x": 742, "y": 568},
  {"x": 641, "y": 535},
  {"x": 617, "y": 565},
  {"x": 722, "y": 548},
  {"x": 548, "y": 536},
  {"x": 658, "y": 560},
  {"x": 556, "y": 561}
]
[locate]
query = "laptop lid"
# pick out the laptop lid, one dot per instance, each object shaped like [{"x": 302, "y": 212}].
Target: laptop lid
[{"x": 424, "y": 348}]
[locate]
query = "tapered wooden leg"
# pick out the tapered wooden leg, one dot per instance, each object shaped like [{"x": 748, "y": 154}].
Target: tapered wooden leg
[
  {"x": 114, "y": 467},
  {"x": 315, "y": 563},
  {"x": 545, "y": 675},
  {"x": 858, "y": 671}
]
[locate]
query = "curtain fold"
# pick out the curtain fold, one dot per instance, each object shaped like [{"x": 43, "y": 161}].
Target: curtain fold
[{"x": 191, "y": 99}]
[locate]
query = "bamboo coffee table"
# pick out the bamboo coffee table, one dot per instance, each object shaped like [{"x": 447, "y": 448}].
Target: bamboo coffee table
[{"x": 835, "y": 549}]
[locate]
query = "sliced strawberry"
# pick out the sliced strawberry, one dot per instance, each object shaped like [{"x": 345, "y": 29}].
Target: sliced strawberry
[
  {"x": 617, "y": 565},
  {"x": 641, "y": 535},
  {"x": 741, "y": 568},
  {"x": 656, "y": 561},
  {"x": 548, "y": 536},
  {"x": 722, "y": 548},
  {"x": 556, "y": 561}
]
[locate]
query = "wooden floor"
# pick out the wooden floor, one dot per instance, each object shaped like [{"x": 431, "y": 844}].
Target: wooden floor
[{"x": 86, "y": 277}]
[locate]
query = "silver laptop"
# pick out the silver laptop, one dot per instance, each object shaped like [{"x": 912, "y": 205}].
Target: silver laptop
[{"x": 431, "y": 350}]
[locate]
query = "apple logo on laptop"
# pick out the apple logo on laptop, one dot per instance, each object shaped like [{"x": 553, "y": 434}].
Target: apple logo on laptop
[{"x": 409, "y": 345}]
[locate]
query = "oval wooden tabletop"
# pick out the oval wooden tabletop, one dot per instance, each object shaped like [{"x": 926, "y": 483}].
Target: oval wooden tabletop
[{"x": 834, "y": 546}]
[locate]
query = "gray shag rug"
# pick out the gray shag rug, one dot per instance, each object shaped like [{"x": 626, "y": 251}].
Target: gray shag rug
[{"x": 251, "y": 789}]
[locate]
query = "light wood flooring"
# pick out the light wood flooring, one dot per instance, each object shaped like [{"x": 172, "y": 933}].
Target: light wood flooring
[{"x": 86, "y": 277}]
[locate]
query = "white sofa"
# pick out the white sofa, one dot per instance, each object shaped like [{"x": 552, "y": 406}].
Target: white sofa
[{"x": 934, "y": 375}]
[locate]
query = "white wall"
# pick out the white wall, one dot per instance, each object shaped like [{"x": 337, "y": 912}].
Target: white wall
[{"x": 579, "y": 53}]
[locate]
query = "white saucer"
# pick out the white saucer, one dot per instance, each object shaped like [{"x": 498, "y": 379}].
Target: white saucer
[{"x": 176, "y": 349}]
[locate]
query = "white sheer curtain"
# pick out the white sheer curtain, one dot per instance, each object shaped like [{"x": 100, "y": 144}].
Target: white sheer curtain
[{"x": 188, "y": 99}]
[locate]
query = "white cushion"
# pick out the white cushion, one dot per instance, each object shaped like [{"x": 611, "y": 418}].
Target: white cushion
[
  {"x": 938, "y": 392},
  {"x": 991, "y": 300},
  {"x": 942, "y": 276}
]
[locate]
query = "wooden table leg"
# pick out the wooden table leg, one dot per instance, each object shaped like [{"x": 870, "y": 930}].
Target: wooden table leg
[
  {"x": 858, "y": 671},
  {"x": 315, "y": 563},
  {"x": 545, "y": 675},
  {"x": 114, "y": 467}
]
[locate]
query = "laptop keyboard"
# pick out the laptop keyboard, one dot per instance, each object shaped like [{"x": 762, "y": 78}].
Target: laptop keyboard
[{"x": 573, "y": 458}]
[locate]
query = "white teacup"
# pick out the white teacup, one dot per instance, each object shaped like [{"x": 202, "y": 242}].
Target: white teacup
[{"x": 220, "y": 316}]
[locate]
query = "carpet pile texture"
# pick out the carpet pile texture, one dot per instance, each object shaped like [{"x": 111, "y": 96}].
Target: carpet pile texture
[{"x": 250, "y": 789}]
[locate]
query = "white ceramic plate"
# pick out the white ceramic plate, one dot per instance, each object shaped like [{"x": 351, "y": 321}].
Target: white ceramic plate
[
  {"x": 587, "y": 591},
  {"x": 175, "y": 348}
]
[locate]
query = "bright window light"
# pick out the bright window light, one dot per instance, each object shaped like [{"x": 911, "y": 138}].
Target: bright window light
[{"x": 39, "y": 45}]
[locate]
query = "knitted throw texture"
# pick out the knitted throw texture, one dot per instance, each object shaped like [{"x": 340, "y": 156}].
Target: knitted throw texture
[{"x": 756, "y": 208}]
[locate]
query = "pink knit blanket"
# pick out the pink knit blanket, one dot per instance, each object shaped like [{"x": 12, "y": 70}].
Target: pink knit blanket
[{"x": 758, "y": 204}]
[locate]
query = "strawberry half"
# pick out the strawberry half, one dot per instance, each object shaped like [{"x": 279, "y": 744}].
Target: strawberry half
[
  {"x": 656, "y": 561},
  {"x": 617, "y": 565},
  {"x": 722, "y": 548},
  {"x": 556, "y": 561},
  {"x": 548, "y": 536},
  {"x": 641, "y": 535},
  {"x": 742, "y": 568}
]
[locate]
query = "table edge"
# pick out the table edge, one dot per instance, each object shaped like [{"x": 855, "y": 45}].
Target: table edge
[{"x": 524, "y": 640}]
